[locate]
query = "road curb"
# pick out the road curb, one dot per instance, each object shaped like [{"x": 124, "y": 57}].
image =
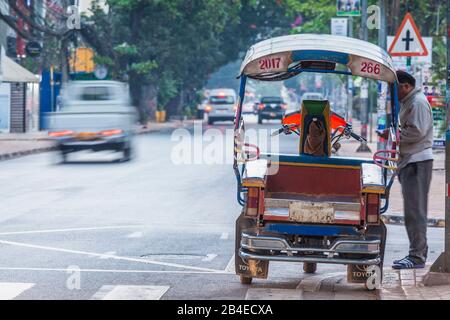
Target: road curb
[
  {"x": 400, "y": 220},
  {"x": 18, "y": 154}
]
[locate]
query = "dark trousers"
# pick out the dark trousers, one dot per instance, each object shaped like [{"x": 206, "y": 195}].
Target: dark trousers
[{"x": 415, "y": 179}]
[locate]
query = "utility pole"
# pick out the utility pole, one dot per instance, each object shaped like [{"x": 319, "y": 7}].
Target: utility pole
[
  {"x": 20, "y": 43},
  {"x": 440, "y": 270},
  {"x": 382, "y": 87},
  {"x": 364, "y": 93},
  {"x": 64, "y": 45},
  {"x": 382, "y": 35}
]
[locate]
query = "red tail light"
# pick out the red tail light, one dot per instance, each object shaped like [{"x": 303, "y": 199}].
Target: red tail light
[
  {"x": 208, "y": 108},
  {"x": 373, "y": 209},
  {"x": 284, "y": 106},
  {"x": 58, "y": 134},
  {"x": 252, "y": 202},
  {"x": 111, "y": 132},
  {"x": 261, "y": 106}
]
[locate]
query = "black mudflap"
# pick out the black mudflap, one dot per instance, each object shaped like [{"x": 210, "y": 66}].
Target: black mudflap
[
  {"x": 249, "y": 268},
  {"x": 371, "y": 275}
]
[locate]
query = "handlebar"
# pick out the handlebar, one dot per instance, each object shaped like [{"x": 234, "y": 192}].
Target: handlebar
[
  {"x": 357, "y": 137},
  {"x": 346, "y": 130},
  {"x": 286, "y": 129},
  {"x": 279, "y": 131},
  {"x": 386, "y": 162}
]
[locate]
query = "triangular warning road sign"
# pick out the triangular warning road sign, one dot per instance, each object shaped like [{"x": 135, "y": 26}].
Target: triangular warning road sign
[{"x": 408, "y": 42}]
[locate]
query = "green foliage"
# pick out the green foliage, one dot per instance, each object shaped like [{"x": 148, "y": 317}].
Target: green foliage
[
  {"x": 316, "y": 15},
  {"x": 167, "y": 89},
  {"x": 102, "y": 60},
  {"x": 439, "y": 58},
  {"x": 175, "y": 45},
  {"x": 126, "y": 49},
  {"x": 144, "y": 68}
]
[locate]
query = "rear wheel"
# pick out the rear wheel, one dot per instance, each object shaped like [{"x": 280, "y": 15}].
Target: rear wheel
[
  {"x": 309, "y": 267},
  {"x": 246, "y": 280},
  {"x": 210, "y": 121},
  {"x": 126, "y": 154},
  {"x": 63, "y": 156},
  {"x": 260, "y": 120},
  {"x": 371, "y": 276}
]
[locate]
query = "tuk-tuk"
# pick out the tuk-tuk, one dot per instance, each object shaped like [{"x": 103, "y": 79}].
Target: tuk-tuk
[{"x": 313, "y": 206}]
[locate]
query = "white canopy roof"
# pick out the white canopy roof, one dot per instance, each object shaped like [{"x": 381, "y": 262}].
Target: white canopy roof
[
  {"x": 14, "y": 72},
  {"x": 275, "y": 56}
]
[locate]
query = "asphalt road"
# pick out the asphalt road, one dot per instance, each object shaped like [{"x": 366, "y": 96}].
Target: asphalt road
[{"x": 149, "y": 228}]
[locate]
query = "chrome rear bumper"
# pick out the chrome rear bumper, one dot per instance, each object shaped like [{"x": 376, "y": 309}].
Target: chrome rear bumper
[{"x": 277, "y": 248}]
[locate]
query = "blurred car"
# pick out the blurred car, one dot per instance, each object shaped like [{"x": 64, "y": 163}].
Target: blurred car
[
  {"x": 96, "y": 116},
  {"x": 312, "y": 96},
  {"x": 221, "y": 105},
  {"x": 271, "y": 108},
  {"x": 249, "y": 108}
]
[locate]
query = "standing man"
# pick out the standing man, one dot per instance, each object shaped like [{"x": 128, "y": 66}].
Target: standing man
[{"x": 415, "y": 167}]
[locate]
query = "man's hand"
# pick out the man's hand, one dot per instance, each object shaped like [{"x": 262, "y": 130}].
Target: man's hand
[{"x": 383, "y": 134}]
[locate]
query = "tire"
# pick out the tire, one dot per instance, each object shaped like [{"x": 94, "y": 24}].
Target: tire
[
  {"x": 379, "y": 232},
  {"x": 210, "y": 121},
  {"x": 246, "y": 269},
  {"x": 260, "y": 120},
  {"x": 63, "y": 157},
  {"x": 200, "y": 114},
  {"x": 309, "y": 267},
  {"x": 246, "y": 280},
  {"x": 126, "y": 154}
]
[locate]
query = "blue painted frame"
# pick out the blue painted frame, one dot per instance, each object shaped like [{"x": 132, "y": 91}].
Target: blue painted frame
[
  {"x": 307, "y": 159},
  {"x": 335, "y": 161},
  {"x": 348, "y": 73},
  {"x": 311, "y": 230}
]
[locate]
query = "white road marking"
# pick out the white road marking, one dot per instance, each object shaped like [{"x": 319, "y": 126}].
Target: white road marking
[
  {"x": 115, "y": 257},
  {"x": 111, "y": 270},
  {"x": 66, "y": 230},
  {"x": 224, "y": 236},
  {"x": 273, "y": 294},
  {"x": 10, "y": 290},
  {"x": 130, "y": 292},
  {"x": 230, "y": 266},
  {"x": 106, "y": 255},
  {"x": 135, "y": 235},
  {"x": 209, "y": 257}
]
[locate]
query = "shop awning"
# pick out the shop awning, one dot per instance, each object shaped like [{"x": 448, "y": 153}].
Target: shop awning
[{"x": 14, "y": 72}]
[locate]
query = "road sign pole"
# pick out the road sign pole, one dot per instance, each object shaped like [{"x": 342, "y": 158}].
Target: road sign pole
[
  {"x": 350, "y": 79},
  {"x": 440, "y": 270},
  {"x": 408, "y": 64}
]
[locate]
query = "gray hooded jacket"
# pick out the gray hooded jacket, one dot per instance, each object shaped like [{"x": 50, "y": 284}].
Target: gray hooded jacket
[{"x": 416, "y": 122}]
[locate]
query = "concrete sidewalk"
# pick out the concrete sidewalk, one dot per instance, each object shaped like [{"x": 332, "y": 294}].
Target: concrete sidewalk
[
  {"x": 436, "y": 203},
  {"x": 408, "y": 285},
  {"x": 13, "y": 145},
  {"x": 396, "y": 285}
]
